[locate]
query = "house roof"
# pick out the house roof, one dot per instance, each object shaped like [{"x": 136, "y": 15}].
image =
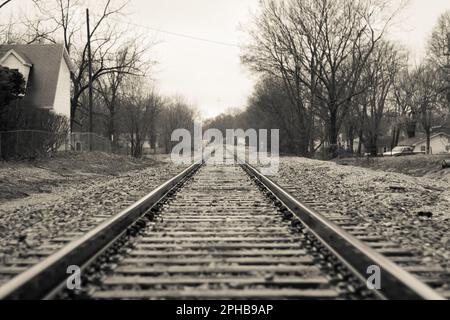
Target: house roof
[
  {"x": 412, "y": 141},
  {"x": 43, "y": 79},
  {"x": 420, "y": 139},
  {"x": 22, "y": 58},
  {"x": 441, "y": 129}
]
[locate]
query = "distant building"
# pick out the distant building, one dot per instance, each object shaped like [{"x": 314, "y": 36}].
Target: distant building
[
  {"x": 383, "y": 145},
  {"x": 46, "y": 69},
  {"x": 439, "y": 143}
]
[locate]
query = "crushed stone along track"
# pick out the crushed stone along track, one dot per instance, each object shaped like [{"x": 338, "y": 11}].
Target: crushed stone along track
[
  {"x": 221, "y": 237},
  {"x": 437, "y": 277},
  {"x": 55, "y": 225},
  {"x": 220, "y": 232}
]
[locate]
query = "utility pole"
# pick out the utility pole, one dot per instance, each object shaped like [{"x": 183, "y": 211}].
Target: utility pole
[
  {"x": 91, "y": 123},
  {"x": 448, "y": 77}
]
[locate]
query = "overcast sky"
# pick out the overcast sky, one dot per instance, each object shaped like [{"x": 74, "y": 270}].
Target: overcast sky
[{"x": 209, "y": 74}]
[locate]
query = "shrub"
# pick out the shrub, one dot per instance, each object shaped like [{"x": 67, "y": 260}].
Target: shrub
[
  {"x": 12, "y": 86},
  {"x": 29, "y": 132}
]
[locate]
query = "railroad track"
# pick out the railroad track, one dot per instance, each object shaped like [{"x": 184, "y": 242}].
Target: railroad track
[
  {"x": 217, "y": 232},
  {"x": 409, "y": 259}
]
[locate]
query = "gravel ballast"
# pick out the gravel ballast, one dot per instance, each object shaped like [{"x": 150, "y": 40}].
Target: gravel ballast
[
  {"x": 427, "y": 166},
  {"x": 22, "y": 179},
  {"x": 411, "y": 211},
  {"x": 33, "y": 225}
]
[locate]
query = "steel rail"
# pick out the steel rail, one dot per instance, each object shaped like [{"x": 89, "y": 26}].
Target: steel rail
[
  {"x": 396, "y": 283},
  {"x": 41, "y": 280},
  {"x": 45, "y": 278}
]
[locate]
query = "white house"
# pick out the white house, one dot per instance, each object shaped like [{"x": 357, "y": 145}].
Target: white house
[
  {"x": 439, "y": 143},
  {"x": 46, "y": 69}
]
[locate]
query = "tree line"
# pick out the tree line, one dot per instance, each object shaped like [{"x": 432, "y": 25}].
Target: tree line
[
  {"x": 329, "y": 76},
  {"x": 128, "y": 110}
]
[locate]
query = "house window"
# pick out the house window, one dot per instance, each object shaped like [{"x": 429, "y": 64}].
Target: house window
[
  {"x": 423, "y": 149},
  {"x": 447, "y": 148}
]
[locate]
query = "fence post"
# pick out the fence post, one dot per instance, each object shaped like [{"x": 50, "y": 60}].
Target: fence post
[
  {"x": 32, "y": 144},
  {"x": 17, "y": 142}
]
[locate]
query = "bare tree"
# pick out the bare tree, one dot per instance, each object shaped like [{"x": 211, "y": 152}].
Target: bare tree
[
  {"x": 154, "y": 106},
  {"x": 438, "y": 44},
  {"x": 352, "y": 127},
  {"x": 439, "y": 54},
  {"x": 406, "y": 108},
  {"x": 131, "y": 117},
  {"x": 24, "y": 32},
  {"x": 106, "y": 38},
  {"x": 138, "y": 111},
  {"x": 133, "y": 126},
  {"x": 273, "y": 54},
  {"x": 319, "y": 49},
  {"x": 418, "y": 98},
  {"x": 378, "y": 79},
  {"x": 270, "y": 107},
  {"x": 426, "y": 98},
  {"x": 109, "y": 87},
  {"x": 177, "y": 114}
]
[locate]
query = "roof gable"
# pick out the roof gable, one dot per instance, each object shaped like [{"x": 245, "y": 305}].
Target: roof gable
[
  {"x": 438, "y": 134},
  {"x": 418, "y": 140},
  {"x": 43, "y": 79},
  {"x": 13, "y": 52},
  {"x": 412, "y": 141}
]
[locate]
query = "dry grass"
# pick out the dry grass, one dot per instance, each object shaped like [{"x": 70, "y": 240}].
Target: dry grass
[
  {"x": 22, "y": 179},
  {"x": 429, "y": 166}
]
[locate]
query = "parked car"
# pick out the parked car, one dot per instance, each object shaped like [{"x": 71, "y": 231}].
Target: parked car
[
  {"x": 399, "y": 151},
  {"x": 446, "y": 164},
  {"x": 368, "y": 154}
]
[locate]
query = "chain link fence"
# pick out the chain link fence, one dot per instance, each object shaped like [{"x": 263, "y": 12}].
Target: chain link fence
[
  {"x": 32, "y": 144},
  {"x": 82, "y": 141}
]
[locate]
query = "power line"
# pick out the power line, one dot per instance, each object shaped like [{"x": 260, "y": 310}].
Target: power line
[
  {"x": 4, "y": 3},
  {"x": 91, "y": 124},
  {"x": 176, "y": 34},
  {"x": 181, "y": 35}
]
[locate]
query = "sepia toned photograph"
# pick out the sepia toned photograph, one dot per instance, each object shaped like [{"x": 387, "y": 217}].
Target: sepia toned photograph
[{"x": 224, "y": 156}]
